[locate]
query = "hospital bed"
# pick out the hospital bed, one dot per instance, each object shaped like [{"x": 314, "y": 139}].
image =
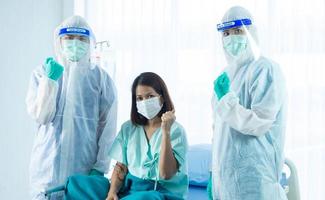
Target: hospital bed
[{"x": 199, "y": 165}]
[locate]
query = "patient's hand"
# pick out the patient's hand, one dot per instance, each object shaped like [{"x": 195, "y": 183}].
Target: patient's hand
[
  {"x": 167, "y": 120},
  {"x": 112, "y": 196},
  {"x": 118, "y": 176}
]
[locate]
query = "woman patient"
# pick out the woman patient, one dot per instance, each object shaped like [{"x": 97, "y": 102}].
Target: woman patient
[{"x": 151, "y": 148}]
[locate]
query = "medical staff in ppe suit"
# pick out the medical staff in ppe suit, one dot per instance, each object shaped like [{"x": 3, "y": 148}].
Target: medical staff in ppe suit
[
  {"x": 249, "y": 104},
  {"x": 74, "y": 103}
]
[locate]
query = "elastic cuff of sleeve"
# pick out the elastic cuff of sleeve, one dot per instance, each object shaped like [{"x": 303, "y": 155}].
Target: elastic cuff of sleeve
[
  {"x": 49, "y": 81},
  {"x": 229, "y": 100},
  {"x": 227, "y": 103}
]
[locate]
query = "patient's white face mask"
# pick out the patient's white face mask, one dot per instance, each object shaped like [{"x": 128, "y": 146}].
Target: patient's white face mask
[{"x": 149, "y": 108}]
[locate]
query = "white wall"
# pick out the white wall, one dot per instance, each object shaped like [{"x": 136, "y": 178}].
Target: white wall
[{"x": 26, "y": 40}]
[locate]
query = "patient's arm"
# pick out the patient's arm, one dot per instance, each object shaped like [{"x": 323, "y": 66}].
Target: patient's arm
[{"x": 117, "y": 180}]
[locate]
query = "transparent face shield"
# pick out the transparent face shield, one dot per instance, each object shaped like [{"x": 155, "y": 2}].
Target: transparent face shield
[
  {"x": 74, "y": 45},
  {"x": 239, "y": 41}
]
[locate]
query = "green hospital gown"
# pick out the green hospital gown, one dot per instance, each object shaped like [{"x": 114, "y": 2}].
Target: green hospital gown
[{"x": 141, "y": 156}]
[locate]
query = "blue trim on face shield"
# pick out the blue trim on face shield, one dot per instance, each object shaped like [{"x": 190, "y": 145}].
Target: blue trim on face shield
[
  {"x": 232, "y": 24},
  {"x": 74, "y": 31}
]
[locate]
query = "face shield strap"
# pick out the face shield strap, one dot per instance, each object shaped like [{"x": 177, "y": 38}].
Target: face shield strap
[
  {"x": 74, "y": 31},
  {"x": 232, "y": 24}
]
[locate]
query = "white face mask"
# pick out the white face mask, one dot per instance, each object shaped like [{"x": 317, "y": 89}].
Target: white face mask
[
  {"x": 235, "y": 45},
  {"x": 74, "y": 49},
  {"x": 149, "y": 108}
]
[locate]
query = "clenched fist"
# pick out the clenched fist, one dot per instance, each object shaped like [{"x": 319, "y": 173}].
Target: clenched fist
[{"x": 167, "y": 120}]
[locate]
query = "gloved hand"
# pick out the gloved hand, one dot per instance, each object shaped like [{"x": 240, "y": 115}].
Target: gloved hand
[
  {"x": 53, "y": 69},
  {"x": 95, "y": 172},
  {"x": 221, "y": 85}
]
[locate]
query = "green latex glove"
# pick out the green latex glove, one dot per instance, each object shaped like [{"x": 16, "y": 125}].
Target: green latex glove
[
  {"x": 221, "y": 85},
  {"x": 209, "y": 188},
  {"x": 95, "y": 172},
  {"x": 53, "y": 69}
]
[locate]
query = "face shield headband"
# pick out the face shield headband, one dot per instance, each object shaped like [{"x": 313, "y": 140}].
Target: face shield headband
[
  {"x": 231, "y": 24},
  {"x": 74, "y": 31}
]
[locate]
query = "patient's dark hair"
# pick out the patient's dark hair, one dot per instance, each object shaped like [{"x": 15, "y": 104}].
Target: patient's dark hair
[{"x": 156, "y": 82}]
